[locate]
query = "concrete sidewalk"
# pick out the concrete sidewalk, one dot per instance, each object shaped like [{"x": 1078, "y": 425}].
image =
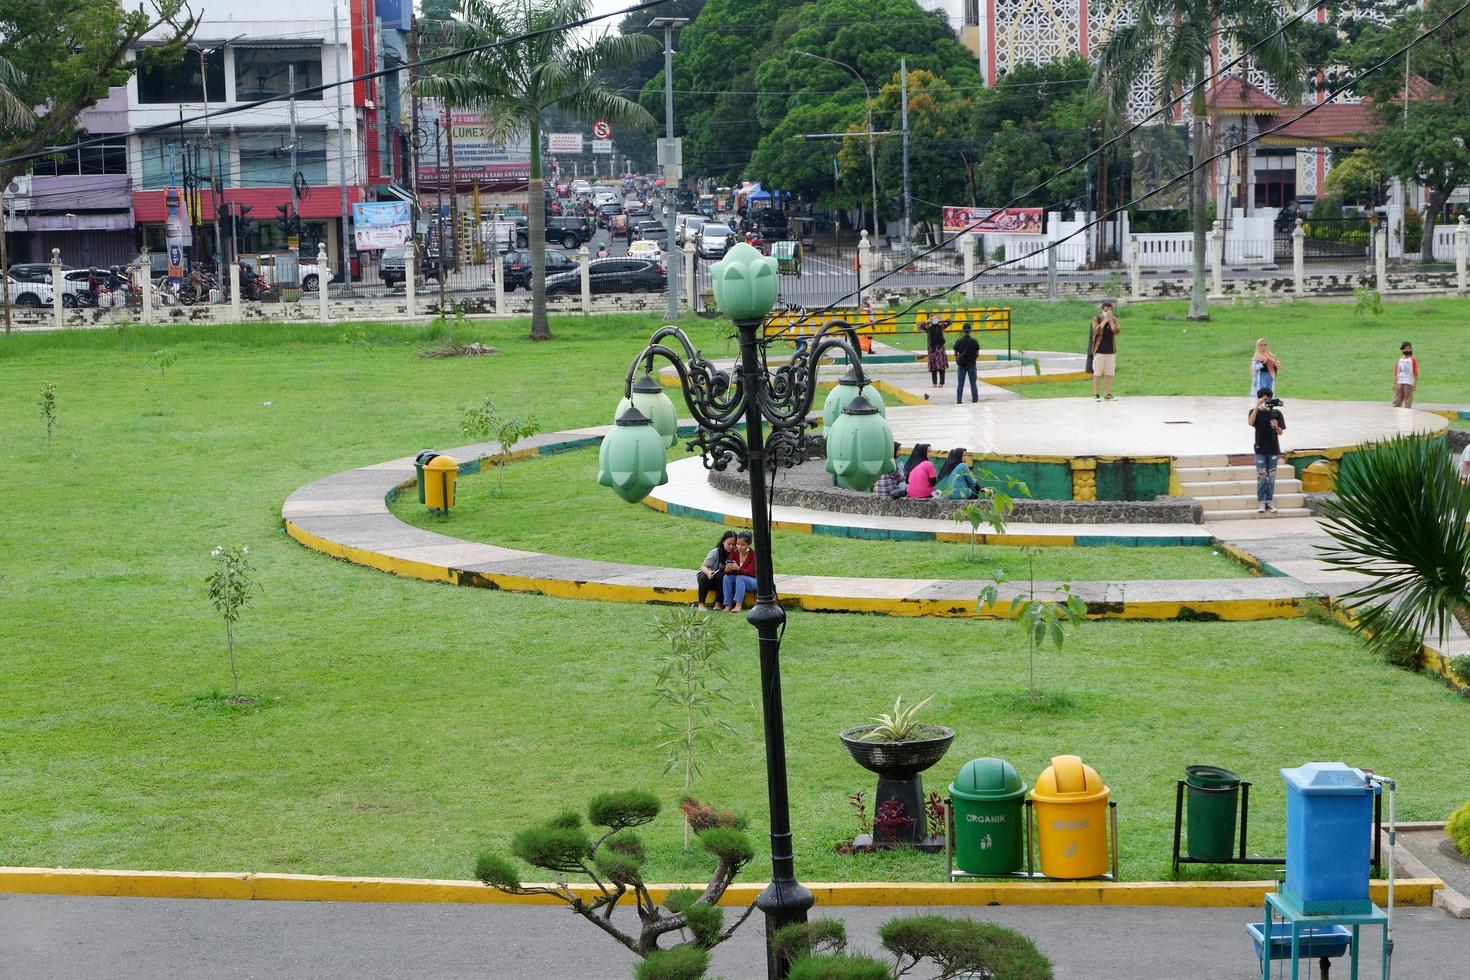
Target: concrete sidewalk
[{"x": 142, "y": 939}]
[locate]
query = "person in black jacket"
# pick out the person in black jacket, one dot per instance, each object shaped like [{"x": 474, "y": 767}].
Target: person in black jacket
[{"x": 966, "y": 353}]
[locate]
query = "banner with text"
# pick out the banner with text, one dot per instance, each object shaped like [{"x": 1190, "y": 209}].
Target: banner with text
[
  {"x": 382, "y": 224},
  {"x": 1010, "y": 221},
  {"x": 564, "y": 142},
  {"x": 478, "y": 155}
]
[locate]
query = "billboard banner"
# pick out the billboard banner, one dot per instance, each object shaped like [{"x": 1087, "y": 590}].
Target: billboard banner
[
  {"x": 564, "y": 142},
  {"x": 478, "y": 155},
  {"x": 602, "y": 146},
  {"x": 382, "y": 224},
  {"x": 1010, "y": 221}
]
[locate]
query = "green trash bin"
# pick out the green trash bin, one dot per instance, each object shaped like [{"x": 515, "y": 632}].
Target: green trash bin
[
  {"x": 419, "y": 462},
  {"x": 988, "y": 797},
  {"x": 1214, "y": 798}
]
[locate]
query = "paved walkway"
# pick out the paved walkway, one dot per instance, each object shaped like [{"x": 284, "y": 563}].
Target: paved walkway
[{"x": 45, "y": 937}]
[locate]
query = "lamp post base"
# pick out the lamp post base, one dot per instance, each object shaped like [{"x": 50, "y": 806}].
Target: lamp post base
[{"x": 783, "y": 904}]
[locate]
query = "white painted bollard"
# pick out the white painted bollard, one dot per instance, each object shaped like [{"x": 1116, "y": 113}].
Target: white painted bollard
[
  {"x": 586, "y": 280},
  {"x": 323, "y": 276},
  {"x": 1216, "y": 245},
  {"x": 1462, "y": 250},
  {"x": 236, "y": 302},
  {"x": 1380, "y": 259},
  {"x": 967, "y": 244},
  {"x": 410, "y": 288},
  {"x": 145, "y": 286},
  {"x": 1298, "y": 257},
  {"x": 691, "y": 289},
  {"x": 56, "y": 282},
  {"x": 1135, "y": 270},
  {"x": 865, "y": 266}
]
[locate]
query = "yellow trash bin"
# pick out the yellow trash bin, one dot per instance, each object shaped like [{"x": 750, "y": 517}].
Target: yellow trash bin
[
  {"x": 439, "y": 476},
  {"x": 1319, "y": 477},
  {"x": 1071, "y": 805}
]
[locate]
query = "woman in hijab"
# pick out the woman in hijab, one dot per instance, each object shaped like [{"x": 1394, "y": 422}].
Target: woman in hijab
[
  {"x": 920, "y": 473},
  {"x": 938, "y": 357},
  {"x": 956, "y": 482}
]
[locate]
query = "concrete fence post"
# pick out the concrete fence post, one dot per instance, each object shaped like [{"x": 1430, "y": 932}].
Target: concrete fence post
[
  {"x": 1298, "y": 257},
  {"x": 691, "y": 288},
  {"x": 499, "y": 273},
  {"x": 865, "y": 266},
  {"x": 56, "y": 282},
  {"x": 582, "y": 257},
  {"x": 145, "y": 286},
  {"x": 323, "y": 276},
  {"x": 236, "y": 314},
  {"x": 410, "y": 288},
  {"x": 1380, "y": 259},
  {"x": 1053, "y": 288},
  {"x": 1462, "y": 251},
  {"x": 968, "y": 245},
  {"x": 1215, "y": 242},
  {"x": 1135, "y": 270}
]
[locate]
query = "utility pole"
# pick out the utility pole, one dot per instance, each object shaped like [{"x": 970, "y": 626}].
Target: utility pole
[
  {"x": 453, "y": 188},
  {"x": 903, "y": 95},
  {"x": 671, "y": 167},
  {"x": 439, "y": 213},
  {"x": 295, "y": 221},
  {"x": 341, "y": 153},
  {"x": 214, "y": 188},
  {"x": 413, "y": 123},
  {"x": 4, "y": 259}
]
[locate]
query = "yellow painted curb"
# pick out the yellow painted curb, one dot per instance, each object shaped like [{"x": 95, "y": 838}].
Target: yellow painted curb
[{"x": 1418, "y": 892}]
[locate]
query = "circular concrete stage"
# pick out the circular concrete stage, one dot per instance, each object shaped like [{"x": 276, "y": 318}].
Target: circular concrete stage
[{"x": 1146, "y": 426}]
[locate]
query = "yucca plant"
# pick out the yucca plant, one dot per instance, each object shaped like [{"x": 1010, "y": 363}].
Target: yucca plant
[
  {"x": 1401, "y": 520},
  {"x": 899, "y": 726}
]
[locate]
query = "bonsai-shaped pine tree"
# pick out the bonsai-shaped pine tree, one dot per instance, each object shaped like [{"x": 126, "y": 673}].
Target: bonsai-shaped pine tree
[
  {"x": 612, "y": 861},
  {"x": 817, "y": 950}
]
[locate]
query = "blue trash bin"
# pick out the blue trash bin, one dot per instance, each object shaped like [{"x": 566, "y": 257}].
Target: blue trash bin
[{"x": 1329, "y": 838}]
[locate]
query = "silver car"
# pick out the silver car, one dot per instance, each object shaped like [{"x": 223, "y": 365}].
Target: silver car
[{"x": 713, "y": 240}]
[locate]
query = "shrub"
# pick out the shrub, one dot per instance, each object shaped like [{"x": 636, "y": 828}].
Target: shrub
[
  {"x": 964, "y": 946},
  {"x": 679, "y": 963},
  {"x": 1458, "y": 828},
  {"x": 560, "y": 849},
  {"x": 622, "y": 809},
  {"x": 809, "y": 938},
  {"x": 841, "y": 966},
  {"x": 1460, "y": 667}
]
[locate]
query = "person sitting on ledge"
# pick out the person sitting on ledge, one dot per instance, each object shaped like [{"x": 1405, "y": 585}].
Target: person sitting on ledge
[
  {"x": 739, "y": 572},
  {"x": 891, "y": 484},
  {"x": 920, "y": 473},
  {"x": 711, "y": 575},
  {"x": 956, "y": 482}
]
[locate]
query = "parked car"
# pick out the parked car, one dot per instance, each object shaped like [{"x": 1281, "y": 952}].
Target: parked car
[
  {"x": 646, "y": 248},
  {"x": 391, "y": 266},
  {"x": 713, "y": 240},
  {"x": 624, "y": 275},
  {"x": 30, "y": 294},
  {"x": 516, "y": 266},
  {"x": 686, "y": 226},
  {"x": 1300, "y": 207},
  {"x": 567, "y": 231},
  {"x": 652, "y": 231}
]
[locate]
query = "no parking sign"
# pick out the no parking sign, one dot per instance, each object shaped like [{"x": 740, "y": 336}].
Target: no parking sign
[{"x": 601, "y": 130}]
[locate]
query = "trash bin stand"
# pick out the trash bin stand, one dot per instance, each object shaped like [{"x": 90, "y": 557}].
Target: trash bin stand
[
  {"x": 1112, "y": 845},
  {"x": 1245, "y": 812}
]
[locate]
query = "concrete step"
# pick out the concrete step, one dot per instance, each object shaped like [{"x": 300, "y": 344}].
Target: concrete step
[
  {"x": 1218, "y": 474},
  {"x": 1192, "y": 462},
  {"x": 1242, "y": 515},
  {"x": 1215, "y": 504},
  {"x": 1236, "y": 487}
]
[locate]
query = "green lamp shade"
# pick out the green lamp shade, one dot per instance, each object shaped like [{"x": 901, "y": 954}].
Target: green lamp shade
[
  {"x": 859, "y": 446},
  {"x": 745, "y": 283},
  {"x": 843, "y": 394},
  {"x": 631, "y": 460},
  {"x": 650, "y": 400}
]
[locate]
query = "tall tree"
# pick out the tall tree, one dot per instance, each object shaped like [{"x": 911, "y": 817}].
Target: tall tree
[
  {"x": 1426, "y": 141},
  {"x": 60, "y": 57},
  {"x": 1180, "y": 40},
  {"x": 514, "y": 86}
]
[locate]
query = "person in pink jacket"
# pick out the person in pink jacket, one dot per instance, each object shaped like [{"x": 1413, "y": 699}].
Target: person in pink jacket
[{"x": 921, "y": 473}]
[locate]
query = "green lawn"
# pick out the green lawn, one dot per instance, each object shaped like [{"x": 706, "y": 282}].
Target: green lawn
[
  {"x": 407, "y": 725},
  {"x": 527, "y": 513}
]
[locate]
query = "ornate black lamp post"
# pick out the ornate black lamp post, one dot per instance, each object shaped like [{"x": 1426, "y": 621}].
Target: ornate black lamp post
[{"x": 774, "y": 406}]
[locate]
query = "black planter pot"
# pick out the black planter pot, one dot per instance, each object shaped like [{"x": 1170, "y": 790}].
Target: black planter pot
[{"x": 898, "y": 765}]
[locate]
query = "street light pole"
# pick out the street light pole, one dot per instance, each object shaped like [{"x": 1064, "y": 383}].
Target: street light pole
[
  {"x": 903, "y": 97},
  {"x": 872, "y": 157},
  {"x": 674, "y": 261}
]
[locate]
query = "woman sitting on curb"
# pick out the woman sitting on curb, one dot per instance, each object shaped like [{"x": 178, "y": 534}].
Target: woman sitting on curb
[
  {"x": 711, "y": 575},
  {"x": 920, "y": 473},
  {"x": 739, "y": 572},
  {"x": 956, "y": 482}
]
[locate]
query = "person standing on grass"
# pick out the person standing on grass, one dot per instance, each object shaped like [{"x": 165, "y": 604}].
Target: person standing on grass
[
  {"x": 966, "y": 353},
  {"x": 1102, "y": 350},
  {"x": 1264, "y": 367},
  {"x": 1405, "y": 376},
  {"x": 739, "y": 572},
  {"x": 938, "y": 358},
  {"x": 1269, "y": 424}
]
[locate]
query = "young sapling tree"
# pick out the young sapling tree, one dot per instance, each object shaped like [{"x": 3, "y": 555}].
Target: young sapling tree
[{"x": 232, "y": 586}]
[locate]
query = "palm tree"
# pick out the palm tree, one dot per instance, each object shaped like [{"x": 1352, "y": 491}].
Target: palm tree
[
  {"x": 1403, "y": 519},
  {"x": 515, "y": 85},
  {"x": 1180, "y": 39}
]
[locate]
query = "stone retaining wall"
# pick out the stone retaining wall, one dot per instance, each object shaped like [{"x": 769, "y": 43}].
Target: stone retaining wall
[{"x": 798, "y": 488}]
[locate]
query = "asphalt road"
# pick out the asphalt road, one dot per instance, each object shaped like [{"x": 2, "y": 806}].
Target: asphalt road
[{"x": 44, "y": 937}]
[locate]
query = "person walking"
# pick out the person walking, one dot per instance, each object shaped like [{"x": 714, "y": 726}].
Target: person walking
[
  {"x": 938, "y": 358},
  {"x": 966, "y": 353},
  {"x": 1103, "y": 350},
  {"x": 1264, "y": 366},
  {"x": 1269, "y": 424},
  {"x": 1405, "y": 376}
]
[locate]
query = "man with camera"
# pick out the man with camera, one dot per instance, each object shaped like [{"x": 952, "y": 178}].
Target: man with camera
[{"x": 1265, "y": 416}]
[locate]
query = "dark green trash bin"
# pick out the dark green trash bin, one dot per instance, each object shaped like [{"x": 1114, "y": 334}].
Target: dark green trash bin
[
  {"x": 1214, "y": 798},
  {"x": 419, "y": 462},
  {"x": 988, "y": 797}
]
